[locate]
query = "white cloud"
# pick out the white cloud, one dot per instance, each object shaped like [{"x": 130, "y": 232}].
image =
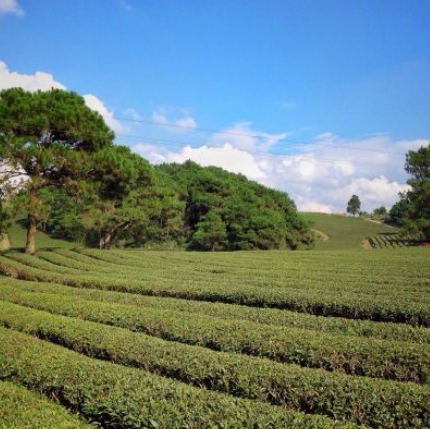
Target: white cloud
[
  {"x": 96, "y": 104},
  {"x": 227, "y": 157},
  {"x": 242, "y": 136},
  {"x": 373, "y": 193},
  {"x": 12, "y": 7},
  {"x": 30, "y": 82},
  {"x": 181, "y": 125},
  {"x": 131, "y": 113},
  {"x": 312, "y": 206},
  {"x": 187, "y": 122},
  {"x": 153, "y": 153},
  {"x": 321, "y": 176},
  {"x": 44, "y": 81}
]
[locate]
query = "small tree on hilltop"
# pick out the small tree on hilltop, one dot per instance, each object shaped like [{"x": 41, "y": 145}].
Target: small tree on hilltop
[{"x": 354, "y": 205}]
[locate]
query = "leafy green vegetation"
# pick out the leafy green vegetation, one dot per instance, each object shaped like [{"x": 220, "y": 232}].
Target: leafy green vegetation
[
  {"x": 218, "y": 322},
  {"x": 23, "y": 409},
  {"x": 412, "y": 212},
  {"x": 116, "y": 396},
  {"x": 330, "y": 288},
  {"x": 287, "y": 385}
]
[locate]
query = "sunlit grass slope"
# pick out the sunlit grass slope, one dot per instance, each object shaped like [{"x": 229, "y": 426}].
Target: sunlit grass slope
[{"x": 345, "y": 232}]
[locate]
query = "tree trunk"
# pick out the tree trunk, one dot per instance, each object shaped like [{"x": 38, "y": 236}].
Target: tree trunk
[
  {"x": 30, "y": 247},
  {"x": 105, "y": 240}
]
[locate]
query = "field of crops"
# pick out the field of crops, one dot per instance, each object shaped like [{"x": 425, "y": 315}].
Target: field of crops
[{"x": 140, "y": 339}]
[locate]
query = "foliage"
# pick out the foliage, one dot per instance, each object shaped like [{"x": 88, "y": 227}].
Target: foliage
[
  {"x": 417, "y": 221},
  {"x": 380, "y": 211},
  {"x": 273, "y": 364},
  {"x": 118, "y": 397},
  {"x": 265, "y": 316},
  {"x": 50, "y": 136},
  {"x": 296, "y": 388},
  {"x": 356, "y": 293},
  {"x": 372, "y": 358},
  {"x": 354, "y": 205},
  {"x": 21, "y": 408},
  {"x": 226, "y": 211}
]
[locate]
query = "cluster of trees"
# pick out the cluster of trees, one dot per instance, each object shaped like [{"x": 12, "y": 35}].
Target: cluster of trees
[
  {"x": 412, "y": 211},
  {"x": 81, "y": 186}
]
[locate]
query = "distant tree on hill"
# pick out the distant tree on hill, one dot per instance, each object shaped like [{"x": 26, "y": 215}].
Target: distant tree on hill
[
  {"x": 51, "y": 136},
  {"x": 354, "y": 205}
]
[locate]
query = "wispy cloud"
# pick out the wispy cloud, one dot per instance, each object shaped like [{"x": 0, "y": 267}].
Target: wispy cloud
[
  {"x": 180, "y": 125},
  {"x": 11, "y": 7}
]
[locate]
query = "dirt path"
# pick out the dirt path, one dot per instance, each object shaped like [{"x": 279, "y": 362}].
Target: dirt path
[{"x": 321, "y": 235}]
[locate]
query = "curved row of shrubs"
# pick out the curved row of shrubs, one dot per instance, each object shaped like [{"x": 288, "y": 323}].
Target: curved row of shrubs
[
  {"x": 21, "y": 408},
  {"x": 342, "y": 397},
  {"x": 265, "y": 316},
  {"x": 115, "y": 396},
  {"x": 341, "y": 305},
  {"x": 393, "y": 360}
]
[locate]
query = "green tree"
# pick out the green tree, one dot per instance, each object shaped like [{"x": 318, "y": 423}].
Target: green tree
[
  {"x": 380, "y": 212},
  {"x": 115, "y": 204},
  {"x": 210, "y": 233},
  {"x": 51, "y": 136},
  {"x": 417, "y": 221},
  {"x": 354, "y": 205}
]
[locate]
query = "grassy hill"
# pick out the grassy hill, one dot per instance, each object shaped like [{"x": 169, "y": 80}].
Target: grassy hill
[{"x": 345, "y": 232}]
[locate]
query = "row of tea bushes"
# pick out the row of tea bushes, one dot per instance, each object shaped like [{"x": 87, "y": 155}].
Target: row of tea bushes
[
  {"x": 393, "y": 360},
  {"x": 118, "y": 397},
  {"x": 23, "y": 409},
  {"x": 346, "y": 305},
  {"x": 311, "y": 391},
  {"x": 266, "y": 316}
]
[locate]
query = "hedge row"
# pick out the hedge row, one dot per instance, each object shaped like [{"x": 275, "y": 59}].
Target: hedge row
[
  {"x": 23, "y": 409},
  {"x": 266, "y": 316},
  {"x": 366, "y": 401},
  {"x": 171, "y": 272},
  {"x": 393, "y": 360},
  {"x": 174, "y": 276},
  {"x": 118, "y": 397},
  {"x": 347, "y": 305}
]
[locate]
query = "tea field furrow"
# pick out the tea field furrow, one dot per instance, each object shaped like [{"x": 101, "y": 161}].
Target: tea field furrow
[
  {"x": 295, "y": 388},
  {"x": 267, "y": 316},
  {"x": 336, "y": 304},
  {"x": 23, "y": 409},
  {"x": 385, "y": 359},
  {"x": 119, "y": 397}
]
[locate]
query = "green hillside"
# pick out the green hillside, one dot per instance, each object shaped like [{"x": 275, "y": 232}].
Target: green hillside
[{"x": 345, "y": 232}]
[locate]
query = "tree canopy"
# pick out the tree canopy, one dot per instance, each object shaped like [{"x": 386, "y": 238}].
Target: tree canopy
[
  {"x": 412, "y": 212},
  {"x": 48, "y": 136},
  {"x": 81, "y": 186},
  {"x": 354, "y": 205}
]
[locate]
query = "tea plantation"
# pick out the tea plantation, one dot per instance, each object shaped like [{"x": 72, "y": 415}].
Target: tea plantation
[{"x": 269, "y": 339}]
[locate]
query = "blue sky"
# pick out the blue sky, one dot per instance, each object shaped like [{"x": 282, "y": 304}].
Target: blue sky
[{"x": 273, "y": 74}]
